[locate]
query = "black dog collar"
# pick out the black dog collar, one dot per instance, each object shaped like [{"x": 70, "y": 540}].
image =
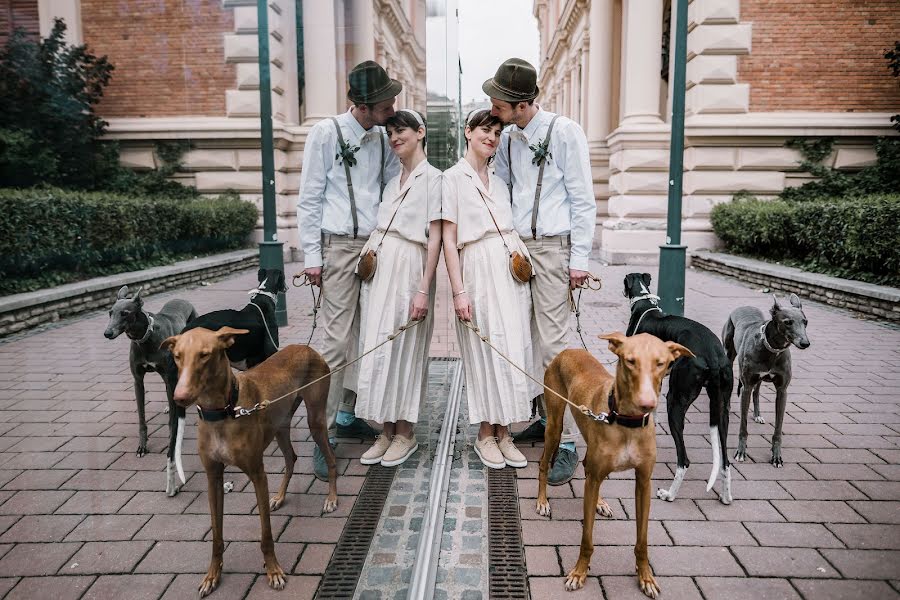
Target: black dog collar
[
  {"x": 630, "y": 421},
  {"x": 220, "y": 414}
]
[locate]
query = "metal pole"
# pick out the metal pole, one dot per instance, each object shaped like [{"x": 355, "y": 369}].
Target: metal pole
[
  {"x": 270, "y": 249},
  {"x": 672, "y": 253}
]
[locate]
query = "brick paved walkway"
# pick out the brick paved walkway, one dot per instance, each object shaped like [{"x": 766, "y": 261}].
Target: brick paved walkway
[{"x": 81, "y": 517}]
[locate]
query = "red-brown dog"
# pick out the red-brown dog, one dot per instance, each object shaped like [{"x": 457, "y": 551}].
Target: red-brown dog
[
  {"x": 627, "y": 441},
  {"x": 228, "y": 435}
]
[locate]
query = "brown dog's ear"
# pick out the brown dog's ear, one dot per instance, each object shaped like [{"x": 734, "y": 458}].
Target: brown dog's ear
[
  {"x": 226, "y": 335},
  {"x": 678, "y": 350},
  {"x": 615, "y": 340},
  {"x": 169, "y": 342}
]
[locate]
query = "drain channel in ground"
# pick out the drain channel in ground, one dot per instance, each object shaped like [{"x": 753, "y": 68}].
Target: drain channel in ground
[{"x": 507, "y": 578}]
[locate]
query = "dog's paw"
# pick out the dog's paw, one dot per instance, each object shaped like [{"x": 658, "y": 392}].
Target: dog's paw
[
  {"x": 759, "y": 419},
  {"x": 330, "y": 505},
  {"x": 575, "y": 580},
  {"x": 603, "y": 509},
  {"x": 664, "y": 495},
  {"x": 172, "y": 490},
  {"x": 776, "y": 461},
  {"x": 648, "y": 584},
  {"x": 142, "y": 450},
  {"x": 166, "y": 410},
  {"x": 543, "y": 508},
  {"x": 275, "y": 575},
  {"x": 209, "y": 583},
  {"x": 740, "y": 454},
  {"x": 276, "y": 502}
]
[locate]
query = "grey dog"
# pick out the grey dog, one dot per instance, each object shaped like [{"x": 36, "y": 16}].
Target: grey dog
[
  {"x": 146, "y": 332},
  {"x": 762, "y": 349}
]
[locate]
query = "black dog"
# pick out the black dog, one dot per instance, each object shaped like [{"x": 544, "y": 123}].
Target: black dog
[
  {"x": 710, "y": 369},
  {"x": 258, "y": 317}
]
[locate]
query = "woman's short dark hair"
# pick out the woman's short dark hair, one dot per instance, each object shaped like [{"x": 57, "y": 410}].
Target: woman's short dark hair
[
  {"x": 481, "y": 118},
  {"x": 403, "y": 118}
]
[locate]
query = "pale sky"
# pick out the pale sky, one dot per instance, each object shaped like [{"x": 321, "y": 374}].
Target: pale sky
[{"x": 490, "y": 31}]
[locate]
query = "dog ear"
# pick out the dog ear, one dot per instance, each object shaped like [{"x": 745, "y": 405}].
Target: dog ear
[
  {"x": 137, "y": 297},
  {"x": 261, "y": 274},
  {"x": 795, "y": 301},
  {"x": 226, "y": 335},
  {"x": 123, "y": 292},
  {"x": 645, "y": 277},
  {"x": 169, "y": 342},
  {"x": 615, "y": 340},
  {"x": 678, "y": 350}
]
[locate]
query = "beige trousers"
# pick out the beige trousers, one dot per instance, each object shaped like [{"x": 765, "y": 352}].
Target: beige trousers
[
  {"x": 339, "y": 317},
  {"x": 551, "y": 313}
]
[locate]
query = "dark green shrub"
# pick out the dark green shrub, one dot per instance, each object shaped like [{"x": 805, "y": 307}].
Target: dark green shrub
[
  {"x": 858, "y": 238},
  {"x": 52, "y": 235}
]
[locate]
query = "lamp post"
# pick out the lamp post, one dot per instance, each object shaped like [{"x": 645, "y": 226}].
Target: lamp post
[
  {"x": 672, "y": 253},
  {"x": 270, "y": 249}
]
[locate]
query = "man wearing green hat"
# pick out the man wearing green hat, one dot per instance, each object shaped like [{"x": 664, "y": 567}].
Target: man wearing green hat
[
  {"x": 346, "y": 162},
  {"x": 545, "y": 161}
]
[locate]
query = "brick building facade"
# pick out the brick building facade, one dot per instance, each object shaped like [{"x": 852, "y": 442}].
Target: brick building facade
[
  {"x": 759, "y": 72},
  {"x": 188, "y": 70}
]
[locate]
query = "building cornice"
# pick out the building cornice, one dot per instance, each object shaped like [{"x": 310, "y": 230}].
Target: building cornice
[
  {"x": 572, "y": 12},
  {"x": 402, "y": 29}
]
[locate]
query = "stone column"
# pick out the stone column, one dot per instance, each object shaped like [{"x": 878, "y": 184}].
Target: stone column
[
  {"x": 320, "y": 92},
  {"x": 599, "y": 69},
  {"x": 641, "y": 60}
]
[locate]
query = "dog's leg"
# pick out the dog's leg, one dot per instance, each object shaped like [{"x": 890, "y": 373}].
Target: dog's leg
[
  {"x": 274, "y": 572},
  {"x": 781, "y": 384},
  {"x": 741, "y": 453},
  {"x": 319, "y": 432},
  {"x": 575, "y": 578},
  {"x": 176, "y": 432},
  {"x": 646, "y": 580},
  {"x": 214, "y": 475},
  {"x": 756, "y": 416},
  {"x": 283, "y": 437},
  {"x": 676, "y": 410},
  {"x": 555, "y": 409},
  {"x": 139, "y": 396}
]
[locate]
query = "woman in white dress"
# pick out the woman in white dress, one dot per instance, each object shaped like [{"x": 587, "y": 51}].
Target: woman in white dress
[
  {"x": 476, "y": 213},
  {"x": 407, "y": 242}
]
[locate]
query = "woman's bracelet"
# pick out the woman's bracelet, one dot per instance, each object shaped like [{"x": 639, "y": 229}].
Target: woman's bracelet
[
  {"x": 423, "y": 292},
  {"x": 459, "y": 293}
]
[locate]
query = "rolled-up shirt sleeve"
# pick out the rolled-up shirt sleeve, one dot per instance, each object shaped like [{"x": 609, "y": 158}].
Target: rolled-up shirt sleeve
[
  {"x": 317, "y": 157},
  {"x": 576, "y": 167}
]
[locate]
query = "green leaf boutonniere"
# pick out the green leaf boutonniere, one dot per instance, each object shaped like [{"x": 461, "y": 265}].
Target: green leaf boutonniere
[
  {"x": 541, "y": 152},
  {"x": 347, "y": 153}
]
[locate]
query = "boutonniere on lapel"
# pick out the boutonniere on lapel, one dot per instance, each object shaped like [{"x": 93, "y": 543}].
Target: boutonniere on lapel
[
  {"x": 541, "y": 152},
  {"x": 347, "y": 153}
]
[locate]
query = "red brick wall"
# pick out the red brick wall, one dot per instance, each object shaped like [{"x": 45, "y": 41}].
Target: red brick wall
[
  {"x": 821, "y": 55},
  {"x": 169, "y": 55}
]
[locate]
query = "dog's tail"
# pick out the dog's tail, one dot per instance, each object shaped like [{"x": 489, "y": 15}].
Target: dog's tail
[
  {"x": 719, "y": 386},
  {"x": 179, "y": 439}
]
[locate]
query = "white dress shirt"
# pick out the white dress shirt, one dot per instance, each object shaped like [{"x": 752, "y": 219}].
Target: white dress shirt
[
  {"x": 324, "y": 202},
  {"x": 567, "y": 203}
]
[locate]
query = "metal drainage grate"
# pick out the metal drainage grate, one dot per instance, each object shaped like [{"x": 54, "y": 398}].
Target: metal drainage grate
[
  {"x": 506, "y": 558},
  {"x": 342, "y": 574}
]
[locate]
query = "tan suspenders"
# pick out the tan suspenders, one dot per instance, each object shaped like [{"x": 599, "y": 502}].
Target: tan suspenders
[{"x": 540, "y": 181}]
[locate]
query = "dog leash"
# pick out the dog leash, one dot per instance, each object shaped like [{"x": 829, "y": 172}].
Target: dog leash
[
  {"x": 253, "y": 293},
  {"x": 575, "y": 306},
  {"x": 601, "y": 417},
  {"x": 240, "y": 411},
  {"x": 641, "y": 318},
  {"x": 317, "y": 301}
]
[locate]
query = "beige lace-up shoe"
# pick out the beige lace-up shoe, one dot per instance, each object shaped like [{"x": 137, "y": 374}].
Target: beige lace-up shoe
[
  {"x": 373, "y": 455},
  {"x": 401, "y": 449},
  {"x": 489, "y": 453},
  {"x": 513, "y": 457}
]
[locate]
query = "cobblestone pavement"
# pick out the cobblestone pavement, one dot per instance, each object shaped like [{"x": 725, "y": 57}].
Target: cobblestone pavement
[{"x": 82, "y": 517}]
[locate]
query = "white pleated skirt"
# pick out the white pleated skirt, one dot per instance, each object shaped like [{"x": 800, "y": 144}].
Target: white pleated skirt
[
  {"x": 496, "y": 392},
  {"x": 392, "y": 380}
]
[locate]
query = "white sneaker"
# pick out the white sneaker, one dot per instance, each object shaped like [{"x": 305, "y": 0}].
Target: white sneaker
[
  {"x": 489, "y": 453},
  {"x": 373, "y": 455},
  {"x": 401, "y": 449},
  {"x": 513, "y": 457}
]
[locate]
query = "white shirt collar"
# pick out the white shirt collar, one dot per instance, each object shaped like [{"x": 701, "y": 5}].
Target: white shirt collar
[
  {"x": 531, "y": 129},
  {"x": 357, "y": 129},
  {"x": 469, "y": 171}
]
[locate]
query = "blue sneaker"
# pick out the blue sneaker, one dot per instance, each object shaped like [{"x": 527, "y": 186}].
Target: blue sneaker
[
  {"x": 357, "y": 429},
  {"x": 320, "y": 467}
]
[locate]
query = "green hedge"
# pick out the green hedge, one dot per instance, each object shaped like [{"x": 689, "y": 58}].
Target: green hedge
[
  {"x": 82, "y": 234},
  {"x": 857, "y": 238}
]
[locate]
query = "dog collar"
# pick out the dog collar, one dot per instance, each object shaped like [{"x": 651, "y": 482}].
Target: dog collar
[
  {"x": 762, "y": 332},
  {"x": 212, "y": 415},
  {"x": 630, "y": 421},
  {"x": 255, "y": 292},
  {"x": 651, "y": 297},
  {"x": 148, "y": 332}
]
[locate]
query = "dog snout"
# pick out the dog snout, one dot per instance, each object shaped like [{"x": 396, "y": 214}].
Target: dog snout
[
  {"x": 803, "y": 344},
  {"x": 108, "y": 334},
  {"x": 183, "y": 395}
]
